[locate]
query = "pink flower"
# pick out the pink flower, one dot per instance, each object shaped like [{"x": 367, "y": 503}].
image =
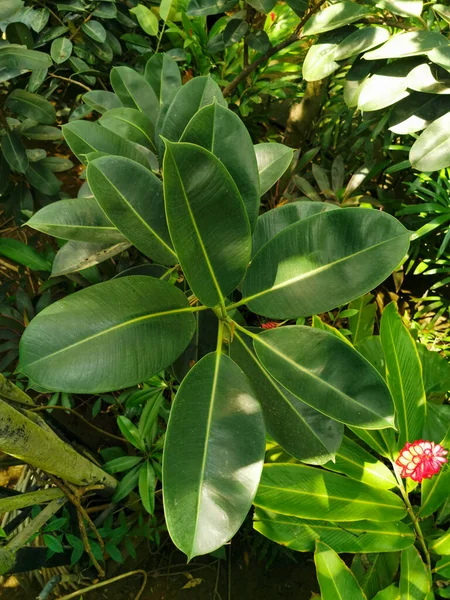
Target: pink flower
[{"x": 421, "y": 460}]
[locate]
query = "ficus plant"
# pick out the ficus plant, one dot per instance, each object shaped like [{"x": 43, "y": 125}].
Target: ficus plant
[{"x": 193, "y": 208}]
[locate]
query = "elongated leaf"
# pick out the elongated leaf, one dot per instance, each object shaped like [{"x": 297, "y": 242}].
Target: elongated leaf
[
  {"x": 404, "y": 8},
  {"x": 336, "y": 581},
  {"x": 269, "y": 224},
  {"x": 313, "y": 493},
  {"x": 134, "y": 91},
  {"x": 409, "y": 43},
  {"x": 360, "y": 41},
  {"x": 18, "y": 57},
  {"x": 390, "y": 593},
  {"x": 404, "y": 375},
  {"x": 220, "y": 131},
  {"x": 147, "y": 484},
  {"x": 414, "y": 579},
  {"x": 126, "y": 485},
  {"x": 324, "y": 261},
  {"x": 94, "y": 30},
  {"x": 375, "y": 571},
  {"x": 130, "y": 432},
  {"x": 326, "y": 374},
  {"x": 333, "y": 17},
  {"x": 319, "y": 63},
  {"x": 302, "y": 431},
  {"x": 207, "y": 221},
  {"x": 84, "y": 137},
  {"x": 393, "y": 79},
  {"x": 436, "y": 371},
  {"x": 123, "y": 463},
  {"x": 361, "y": 536},
  {"x": 273, "y": 160},
  {"x": 132, "y": 198},
  {"x": 163, "y": 74},
  {"x": 9, "y": 7},
  {"x": 417, "y": 112},
  {"x": 431, "y": 151},
  {"x": 147, "y": 19},
  {"x": 198, "y": 8},
  {"x": 32, "y": 106},
  {"x": 441, "y": 546},
  {"x": 42, "y": 179},
  {"x": 357, "y": 463},
  {"x": 75, "y": 256},
  {"x": 101, "y": 100},
  {"x": 139, "y": 337},
  {"x": 23, "y": 254},
  {"x": 130, "y": 124},
  {"x": 217, "y": 415},
  {"x": 430, "y": 79},
  {"x": 435, "y": 490},
  {"x": 361, "y": 324},
  {"x": 14, "y": 152},
  {"x": 81, "y": 220}
]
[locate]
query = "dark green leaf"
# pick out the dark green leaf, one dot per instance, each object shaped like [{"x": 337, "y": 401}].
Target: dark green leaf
[
  {"x": 61, "y": 49},
  {"x": 32, "y": 106},
  {"x": 94, "y": 30},
  {"x": 147, "y": 484},
  {"x": 163, "y": 74},
  {"x": 42, "y": 179},
  {"x": 199, "y": 8},
  {"x": 259, "y": 41},
  {"x": 18, "y": 33},
  {"x": 130, "y": 124},
  {"x": 101, "y": 100},
  {"x": 17, "y": 57},
  {"x": 23, "y": 254},
  {"x": 234, "y": 31},
  {"x": 14, "y": 152},
  {"x": 134, "y": 91},
  {"x": 76, "y": 256},
  {"x": 273, "y": 160}
]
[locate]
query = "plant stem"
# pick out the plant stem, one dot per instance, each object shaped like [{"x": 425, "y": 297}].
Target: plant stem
[
  {"x": 107, "y": 582},
  {"x": 85, "y": 87}
]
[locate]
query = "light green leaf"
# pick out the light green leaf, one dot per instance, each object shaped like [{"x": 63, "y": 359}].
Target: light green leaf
[
  {"x": 409, "y": 43},
  {"x": 360, "y": 41},
  {"x": 435, "y": 490},
  {"x": 221, "y": 131},
  {"x": 81, "y": 220},
  {"x": 61, "y": 49},
  {"x": 273, "y": 160},
  {"x": 32, "y": 106},
  {"x": 75, "y": 256},
  {"x": 123, "y": 463},
  {"x": 392, "y": 79},
  {"x": 163, "y": 74},
  {"x": 101, "y": 100},
  {"x": 436, "y": 370},
  {"x": 147, "y": 484},
  {"x": 404, "y": 375},
  {"x": 131, "y": 124},
  {"x": 319, "y": 63},
  {"x": 132, "y": 198},
  {"x": 414, "y": 579},
  {"x": 94, "y": 30},
  {"x": 336, "y": 581},
  {"x": 218, "y": 418},
  {"x": 207, "y": 221},
  {"x": 327, "y": 374},
  {"x": 130, "y": 432},
  {"x": 302, "y": 431},
  {"x": 361, "y": 324},
  {"x": 403, "y": 8},
  {"x": 443, "y": 11},
  {"x": 441, "y": 545},
  {"x": 14, "y": 152},
  {"x": 9, "y": 8},
  {"x": 333, "y": 17},
  {"x": 23, "y": 254},
  {"x": 134, "y": 91},
  {"x": 429, "y": 79},
  {"x": 390, "y": 593},
  {"x": 139, "y": 337},
  {"x": 18, "y": 57},
  {"x": 147, "y": 19},
  {"x": 431, "y": 151},
  {"x": 375, "y": 571},
  {"x": 324, "y": 261},
  {"x": 417, "y": 111},
  {"x": 57, "y": 164}
]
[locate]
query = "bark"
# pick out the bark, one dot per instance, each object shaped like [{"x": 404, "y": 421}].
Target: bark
[
  {"x": 303, "y": 115},
  {"x": 9, "y": 391},
  {"x": 30, "y": 499}
]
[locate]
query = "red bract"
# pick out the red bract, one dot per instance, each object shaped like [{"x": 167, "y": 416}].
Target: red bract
[
  {"x": 269, "y": 325},
  {"x": 421, "y": 460}
]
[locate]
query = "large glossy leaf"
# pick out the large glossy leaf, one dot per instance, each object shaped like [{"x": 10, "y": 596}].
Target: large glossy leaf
[
  {"x": 430, "y": 79},
  {"x": 84, "y": 137},
  {"x": 440, "y": 56},
  {"x": 75, "y": 256},
  {"x": 333, "y": 17},
  {"x": 319, "y": 63},
  {"x": 198, "y": 8},
  {"x": 414, "y": 579},
  {"x": 358, "y": 464},
  {"x": 14, "y": 152},
  {"x": 270, "y": 223},
  {"x": 336, "y": 581},
  {"x": 32, "y": 106},
  {"x": 361, "y": 324},
  {"x": 18, "y": 57},
  {"x": 390, "y": 593},
  {"x": 163, "y": 74},
  {"x": 321, "y": 262},
  {"x": 404, "y": 375},
  {"x": 409, "y": 43},
  {"x": 375, "y": 571},
  {"x": 42, "y": 179},
  {"x": 435, "y": 490},
  {"x": 404, "y": 8},
  {"x": 134, "y": 91},
  {"x": 327, "y": 374},
  {"x": 119, "y": 333},
  {"x": 207, "y": 221},
  {"x": 102, "y": 100},
  {"x": 361, "y": 536},
  {"x": 130, "y": 124},
  {"x": 360, "y": 41},
  {"x": 417, "y": 111},
  {"x": 132, "y": 198},
  {"x": 273, "y": 160},
  {"x": 211, "y": 478},
  {"x": 302, "y": 431},
  {"x": 222, "y": 132},
  {"x": 81, "y": 220},
  {"x": 436, "y": 370},
  {"x": 313, "y": 493},
  {"x": 431, "y": 151}
]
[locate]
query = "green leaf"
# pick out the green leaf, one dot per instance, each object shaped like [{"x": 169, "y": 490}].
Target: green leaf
[
  {"x": 123, "y": 463},
  {"x": 324, "y": 261},
  {"x": 361, "y": 324},
  {"x": 259, "y": 41},
  {"x": 273, "y": 161},
  {"x": 127, "y": 485},
  {"x": 390, "y": 593},
  {"x": 14, "y": 152},
  {"x": 200, "y": 8},
  {"x": 23, "y": 254},
  {"x": 357, "y": 463},
  {"x": 40, "y": 19},
  {"x": 403, "y": 8},
  {"x": 146, "y": 18},
  {"x": 327, "y": 374},
  {"x": 375, "y": 571},
  {"x": 17, "y": 57},
  {"x": 66, "y": 356},
  {"x": 131, "y": 432},
  {"x": 57, "y": 164},
  {"x": 333, "y": 17},
  {"x": 360, "y": 41},
  {"x": 32, "y": 106},
  {"x": 436, "y": 370},
  {"x": 9, "y": 8},
  {"x": 207, "y": 221},
  {"x": 132, "y": 198},
  {"x": 52, "y": 543},
  {"x": 417, "y": 111},
  {"x": 270, "y": 223},
  {"x": 94, "y": 30},
  {"x": 302, "y": 431},
  {"x": 134, "y": 91},
  {"x": 43, "y": 132},
  {"x": 435, "y": 490},
  {"x": 335, "y": 578},
  {"x": 18, "y": 33},
  {"x": 443, "y": 11},
  {"x": 130, "y": 124},
  {"x": 84, "y": 137},
  {"x": 75, "y": 256},
  {"x": 61, "y": 49},
  {"x": 211, "y": 478},
  {"x": 431, "y": 151},
  {"x": 163, "y": 74},
  {"x": 430, "y": 79},
  {"x": 441, "y": 545},
  {"x": 101, "y": 100},
  {"x": 312, "y": 493},
  {"x": 220, "y": 131},
  {"x": 81, "y": 219},
  {"x": 262, "y": 6},
  {"x": 235, "y": 31},
  {"x": 41, "y": 178},
  {"x": 361, "y": 536},
  {"x": 147, "y": 484},
  {"x": 404, "y": 375},
  {"x": 414, "y": 579},
  {"x": 392, "y": 79},
  {"x": 409, "y": 43},
  {"x": 319, "y": 62}
]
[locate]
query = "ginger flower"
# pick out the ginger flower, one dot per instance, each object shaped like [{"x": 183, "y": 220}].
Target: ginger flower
[
  {"x": 421, "y": 460},
  {"x": 270, "y": 325}
]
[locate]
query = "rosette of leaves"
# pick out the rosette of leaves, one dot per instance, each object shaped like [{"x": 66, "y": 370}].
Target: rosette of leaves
[{"x": 172, "y": 171}]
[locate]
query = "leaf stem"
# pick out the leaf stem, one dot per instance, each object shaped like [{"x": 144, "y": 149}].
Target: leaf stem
[{"x": 249, "y": 333}]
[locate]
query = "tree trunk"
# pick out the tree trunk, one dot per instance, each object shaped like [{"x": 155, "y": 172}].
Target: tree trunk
[{"x": 302, "y": 115}]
